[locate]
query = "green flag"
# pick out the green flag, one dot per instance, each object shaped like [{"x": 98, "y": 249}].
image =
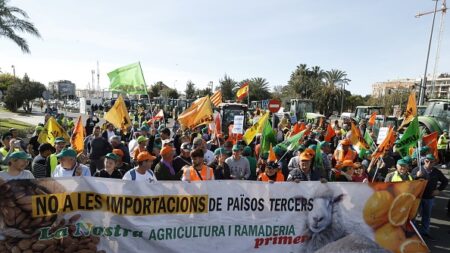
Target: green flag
[
  {"x": 128, "y": 79},
  {"x": 409, "y": 138},
  {"x": 368, "y": 139},
  {"x": 268, "y": 137},
  {"x": 292, "y": 143},
  {"x": 318, "y": 158}
]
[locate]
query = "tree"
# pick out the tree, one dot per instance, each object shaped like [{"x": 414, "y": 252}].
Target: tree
[
  {"x": 259, "y": 89},
  {"x": 172, "y": 93},
  {"x": 204, "y": 92},
  {"x": 13, "y": 20},
  {"x": 155, "y": 90},
  {"x": 6, "y": 80},
  {"x": 22, "y": 93},
  {"x": 190, "y": 90},
  {"x": 228, "y": 86}
]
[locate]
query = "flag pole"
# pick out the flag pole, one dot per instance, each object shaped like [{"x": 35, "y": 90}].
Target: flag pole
[{"x": 146, "y": 92}]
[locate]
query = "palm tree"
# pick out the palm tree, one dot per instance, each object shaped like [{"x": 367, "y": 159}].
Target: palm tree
[
  {"x": 227, "y": 86},
  {"x": 336, "y": 79},
  {"x": 190, "y": 90},
  {"x": 259, "y": 89},
  {"x": 13, "y": 20}
]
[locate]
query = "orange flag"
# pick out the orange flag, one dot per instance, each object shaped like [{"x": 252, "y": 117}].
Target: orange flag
[
  {"x": 372, "y": 119},
  {"x": 431, "y": 141},
  {"x": 297, "y": 128},
  {"x": 272, "y": 157},
  {"x": 330, "y": 133},
  {"x": 357, "y": 139},
  {"x": 387, "y": 143},
  {"x": 320, "y": 122},
  {"x": 411, "y": 110},
  {"x": 77, "y": 138}
]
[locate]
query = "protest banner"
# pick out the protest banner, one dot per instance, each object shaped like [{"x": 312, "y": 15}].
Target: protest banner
[
  {"x": 87, "y": 214},
  {"x": 238, "y": 124},
  {"x": 382, "y": 134}
]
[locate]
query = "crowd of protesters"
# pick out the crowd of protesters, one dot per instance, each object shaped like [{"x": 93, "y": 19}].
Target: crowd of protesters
[{"x": 151, "y": 152}]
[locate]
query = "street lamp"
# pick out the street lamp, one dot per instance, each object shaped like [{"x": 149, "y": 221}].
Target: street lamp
[{"x": 14, "y": 70}]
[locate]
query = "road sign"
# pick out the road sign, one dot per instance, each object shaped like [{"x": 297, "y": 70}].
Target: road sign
[{"x": 274, "y": 105}]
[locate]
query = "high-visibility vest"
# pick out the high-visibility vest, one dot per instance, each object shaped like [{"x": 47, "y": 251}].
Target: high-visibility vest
[
  {"x": 5, "y": 152},
  {"x": 397, "y": 178},
  {"x": 340, "y": 157},
  {"x": 264, "y": 178},
  {"x": 206, "y": 173},
  {"x": 442, "y": 142},
  {"x": 53, "y": 163}
]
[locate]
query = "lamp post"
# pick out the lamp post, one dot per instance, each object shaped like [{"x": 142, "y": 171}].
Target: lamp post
[
  {"x": 14, "y": 70},
  {"x": 424, "y": 80},
  {"x": 342, "y": 96}
]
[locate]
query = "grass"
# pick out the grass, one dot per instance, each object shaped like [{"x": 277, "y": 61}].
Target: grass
[{"x": 23, "y": 127}]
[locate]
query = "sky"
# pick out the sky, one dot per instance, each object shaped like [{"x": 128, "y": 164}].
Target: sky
[{"x": 202, "y": 40}]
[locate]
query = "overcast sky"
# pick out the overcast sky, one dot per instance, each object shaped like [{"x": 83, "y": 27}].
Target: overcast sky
[{"x": 201, "y": 40}]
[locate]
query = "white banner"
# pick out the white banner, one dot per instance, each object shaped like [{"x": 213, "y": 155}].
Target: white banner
[
  {"x": 109, "y": 215},
  {"x": 238, "y": 124}
]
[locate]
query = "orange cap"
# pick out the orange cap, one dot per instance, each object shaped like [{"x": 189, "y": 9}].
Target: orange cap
[
  {"x": 118, "y": 152},
  {"x": 166, "y": 150},
  {"x": 145, "y": 156},
  {"x": 305, "y": 156},
  {"x": 310, "y": 152},
  {"x": 346, "y": 163}
]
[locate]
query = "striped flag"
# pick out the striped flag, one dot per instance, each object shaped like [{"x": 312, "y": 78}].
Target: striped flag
[{"x": 216, "y": 98}]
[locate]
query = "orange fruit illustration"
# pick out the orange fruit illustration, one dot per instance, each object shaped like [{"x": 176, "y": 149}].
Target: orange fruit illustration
[
  {"x": 376, "y": 208},
  {"x": 414, "y": 209},
  {"x": 400, "y": 209},
  {"x": 413, "y": 187},
  {"x": 413, "y": 246},
  {"x": 390, "y": 237}
]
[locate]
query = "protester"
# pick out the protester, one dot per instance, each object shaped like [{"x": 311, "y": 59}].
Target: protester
[
  {"x": 239, "y": 166},
  {"x": 120, "y": 165},
  {"x": 343, "y": 172},
  {"x": 184, "y": 158},
  {"x": 359, "y": 174},
  {"x": 97, "y": 148},
  {"x": 220, "y": 167},
  {"x": 109, "y": 132},
  {"x": 200, "y": 143},
  {"x": 17, "y": 163},
  {"x": 345, "y": 153},
  {"x": 142, "y": 171},
  {"x": 33, "y": 144},
  {"x": 39, "y": 165},
  {"x": 10, "y": 145},
  {"x": 442, "y": 146},
  {"x": 110, "y": 170},
  {"x": 434, "y": 176},
  {"x": 401, "y": 174},
  {"x": 272, "y": 171},
  {"x": 165, "y": 170},
  {"x": 117, "y": 144},
  {"x": 68, "y": 165},
  {"x": 91, "y": 121},
  {"x": 198, "y": 171},
  {"x": 304, "y": 171}
]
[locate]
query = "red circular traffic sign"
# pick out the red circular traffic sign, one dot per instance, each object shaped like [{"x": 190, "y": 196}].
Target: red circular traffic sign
[{"x": 274, "y": 105}]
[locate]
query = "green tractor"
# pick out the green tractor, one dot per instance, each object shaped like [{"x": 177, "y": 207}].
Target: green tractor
[{"x": 436, "y": 116}]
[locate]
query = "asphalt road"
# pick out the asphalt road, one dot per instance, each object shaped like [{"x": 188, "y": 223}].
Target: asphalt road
[{"x": 440, "y": 222}]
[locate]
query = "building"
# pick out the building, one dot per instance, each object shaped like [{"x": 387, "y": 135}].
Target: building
[
  {"x": 62, "y": 89},
  {"x": 381, "y": 89},
  {"x": 435, "y": 88}
]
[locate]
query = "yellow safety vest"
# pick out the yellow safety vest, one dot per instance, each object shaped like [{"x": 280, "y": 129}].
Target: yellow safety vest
[
  {"x": 53, "y": 163},
  {"x": 5, "y": 152},
  {"x": 442, "y": 142},
  {"x": 397, "y": 178}
]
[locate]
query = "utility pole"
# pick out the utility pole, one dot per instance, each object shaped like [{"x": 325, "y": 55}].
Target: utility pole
[
  {"x": 424, "y": 80},
  {"x": 98, "y": 76}
]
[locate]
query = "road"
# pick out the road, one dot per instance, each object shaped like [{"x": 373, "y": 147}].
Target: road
[{"x": 440, "y": 222}]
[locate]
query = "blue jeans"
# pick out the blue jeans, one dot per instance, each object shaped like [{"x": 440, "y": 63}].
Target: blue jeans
[{"x": 426, "y": 205}]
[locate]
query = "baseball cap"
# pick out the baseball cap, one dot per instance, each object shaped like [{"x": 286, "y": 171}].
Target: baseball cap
[
  {"x": 430, "y": 157},
  {"x": 402, "y": 162},
  {"x": 236, "y": 148},
  {"x": 112, "y": 156},
  {"x": 118, "y": 152},
  {"x": 305, "y": 156},
  {"x": 219, "y": 151},
  {"x": 141, "y": 139},
  {"x": 166, "y": 150},
  {"x": 39, "y": 128},
  {"x": 145, "y": 156},
  {"x": 20, "y": 155},
  {"x": 67, "y": 152},
  {"x": 186, "y": 146},
  {"x": 60, "y": 140}
]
